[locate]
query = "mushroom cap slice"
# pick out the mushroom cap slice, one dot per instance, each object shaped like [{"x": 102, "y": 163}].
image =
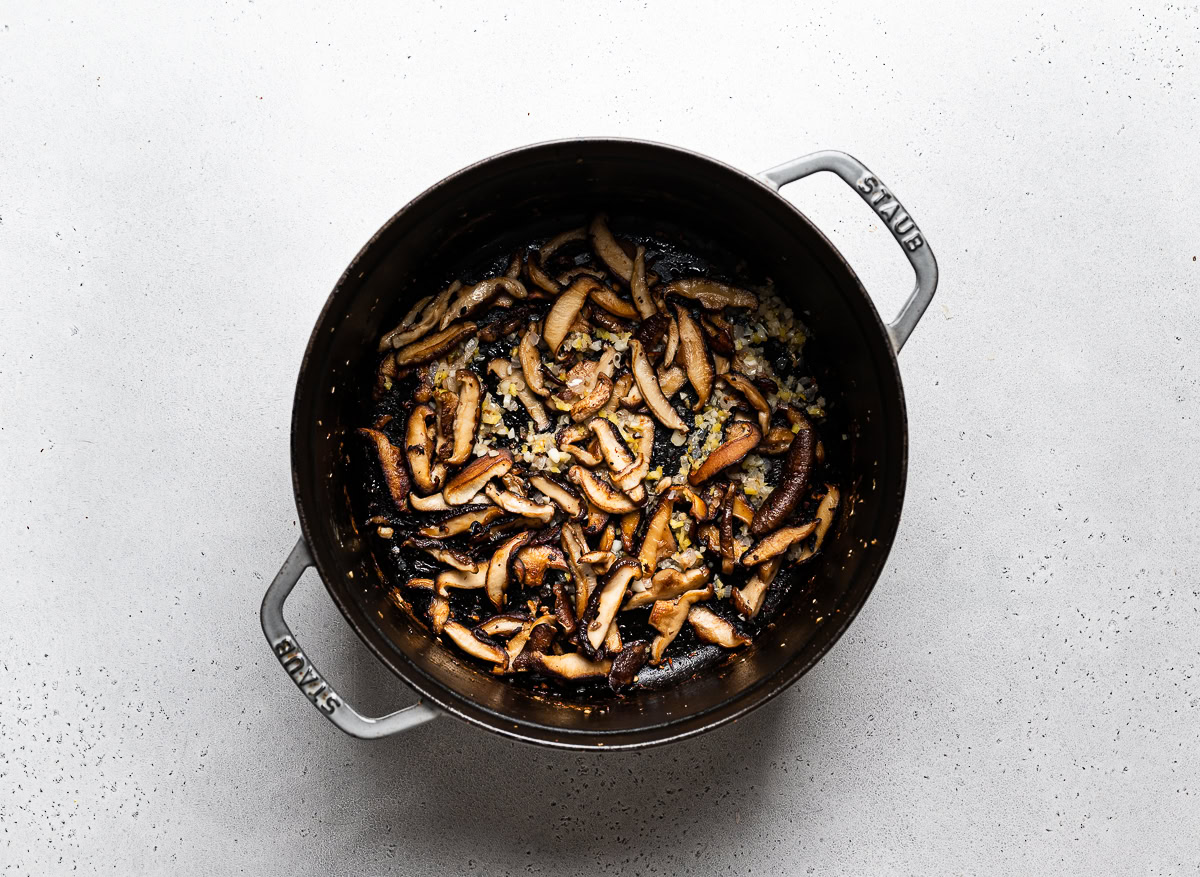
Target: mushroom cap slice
[
  {"x": 777, "y": 543},
  {"x": 749, "y": 599},
  {"x": 496, "y": 582},
  {"x": 466, "y": 416},
  {"x": 657, "y": 531},
  {"x": 746, "y": 387},
  {"x": 570, "y": 666},
  {"x": 825, "y": 512},
  {"x": 431, "y": 315},
  {"x": 782, "y": 501},
  {"x": 574, "y": 547},
  {"x": 435, "y": 345},
  {"x": 600, "y": 493},
  {"x": 668, "y": 583},
  {"x": 642, "y": 299},
  {"x": 419, "y": 448},
  {"x": 451, "y": 557},
  {"x": 461, "y": 523},
  {"x": 611, "y": 445},
  {"x": 695, "y": 356},
  {"x": 777, "y": 441},
  {"x": 596, "y": 399},
  {"x": 604, "y": 602},
  {"x": 466, "y": 640},
  {"x": 457, "y": 578},
  {"x": 740, "y": 439},
  {"x": 503, "y": 625},
  {"x": 534, "y": 561},
  {"x": 520, "y": 505},
  {"x": 711, "y": 295},
  {"x": 433, "y": 503},
  {"x": 462, "y": 488},
  {"x": 531, "y": 361},
  {"x": 410, "y": 319},
  {"x": 474, "y": 297},
  {"x": 671, "y": 380},
  {"x": 563, "y": 495},
  {"x": 557, "y": 242},
  {"x": 606, "y": 247},
  {"x": 439, "y": 612},
  {"x": 668, "y": 616},
  {"x": 564, "y": 311},
  {"x": 394, "y": 474},
  {"x": 613, "y": 303},
  {"x": 626, "y": 664},
  {"x": 712, "y": 628},
  {"x": 647, "y": 383}
]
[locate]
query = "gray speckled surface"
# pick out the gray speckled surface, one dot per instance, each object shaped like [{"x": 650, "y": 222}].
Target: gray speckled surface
[{"x": 178, "y": 192}]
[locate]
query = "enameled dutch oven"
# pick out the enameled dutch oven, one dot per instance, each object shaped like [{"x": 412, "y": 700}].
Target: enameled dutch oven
[{"x": 510, "y": 199}]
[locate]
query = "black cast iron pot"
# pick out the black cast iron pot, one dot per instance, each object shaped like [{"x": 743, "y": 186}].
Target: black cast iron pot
[{"x": 509, "y": 199}]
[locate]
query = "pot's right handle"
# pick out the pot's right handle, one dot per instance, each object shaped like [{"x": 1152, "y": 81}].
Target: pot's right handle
[
  {"x": 894, "y": 216},
  {"x": 311, "y": 683}
]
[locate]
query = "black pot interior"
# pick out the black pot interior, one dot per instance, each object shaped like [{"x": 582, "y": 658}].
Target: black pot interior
[{"x": 488, "y": 209}]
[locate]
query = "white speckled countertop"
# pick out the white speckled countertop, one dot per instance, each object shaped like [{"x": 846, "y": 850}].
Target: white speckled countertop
[{"x": 181, "y": 184}]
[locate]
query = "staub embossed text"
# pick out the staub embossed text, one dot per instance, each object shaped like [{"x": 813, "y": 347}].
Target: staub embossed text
[
  {"x": 890, "y": 211},
  {"x": 305, "y": 675}
]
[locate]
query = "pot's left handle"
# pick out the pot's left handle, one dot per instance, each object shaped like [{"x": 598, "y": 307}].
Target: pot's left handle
[{"x": 311, "y": 683}]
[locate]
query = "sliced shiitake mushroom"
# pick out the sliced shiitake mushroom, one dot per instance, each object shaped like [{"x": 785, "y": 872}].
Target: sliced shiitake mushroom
[
  {"x": 601, "y": 561},
  {"x": 534, "y": 561},
  {"x": 825, "y": 511},
  {"x": 611, "y": 253},
  {"x": 571, "y": 666},
  {"x": 611, "y": 446},
  {"x": 777, "y": 441},
  {"x": 627, "y": 663},
  {"x": 652, "y": 393},
  {"x": 410, "y": 319},
  {"x": 431, "y": 314},
  {"x": 711, "y": 295},
  {"x": 603, "y": 605},
  {"x": 669, "y": 583},
  {"x": 438, "y": 611},
  {"x": 599, "y": 492},
  {"x": 777, "y": 543},
  {"x": 566, "y": 308},
  {"x": 447, "y": 406},
  {"x": 749, "y": 599},
  {"x": 672, "y": 343},
  {"x": 434, "y": 346},
  {"x": 658, "y": 530},
  {"x": 668, "y": 616},
  {"x": 563, "y": 495},
  {"x": 462, "y": 488},
  {"x": 671, "y": 380},
  {"x": 450, "y": 557},
  {"x": 539, "y": 278},
  {"x": 596, "y": 399},
  {"x": 642, "y": 299},
  {"x": 604, "y": 320},
  {"x": 520, "y": 505},
  {"x": 574, "y": 547},
  {"x": 496, "y": 582},
  {"x": 462, "y": 522},
  {"x": 712, "y": 628},
  {"x": 434, "y": 503},
  {"x": 419, "y": 447},
  {"x": 746, "y": 387},
  {"x": 514, "y": 385},
  {"x": 473, "y": 645},
  {"x": 460, "y": 579},
  {"x": 741, "y": 437},
  {"x": 557, "y": 242},
  {"x": 695, "y": 356},
  {"x": 394, "y": 474},
  {"x": 473, "y": 297},
  {"x": 725, "y": 530},
  {"x": 630, "y": 477},
  {"x": 466, "y": 416},
  {"x": 611, "y": 302},
  {"x": 531, "y": 362},
  {"x": 504, "y": 626},
  {"x": 793, "y": 485},
  {"x": 568, "y": 440}
]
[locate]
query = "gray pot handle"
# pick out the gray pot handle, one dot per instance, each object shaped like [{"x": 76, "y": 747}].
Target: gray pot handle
[
  {"x": 305, "y": 675},
  {"x": 898, "y": 220}
]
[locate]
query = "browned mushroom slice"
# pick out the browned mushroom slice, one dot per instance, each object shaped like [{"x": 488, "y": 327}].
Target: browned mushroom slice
[
  {"x": 497, "y": 569},
  {"x": 603, "y": 604},
  {"x": 516, "y": 645},
  {"x": 672, "y": 343},
  {"x": 741, "y": 437},
  {"x": 642, "y": 299},
  {"x": 668, "y": 583},
  {"x": 531, "y": 362},
  {"x": 422, "y": 583},
  {"x": 710, "y": 535},
  {"x": 457, "y": 578},
  {"x": 607, "y": 248},
  {"x": 451, "y": 557},
  {"x": 473, "y": 645},
  {"x": 749, "y": 600},
  {"x": 534, "y": 561},
  {"x": 668, "y": 616},
  {"x": 613, "y": 303},
  {"x": 825, "y": 511},
  {"x": 793, "y": 485},
  {"x": 629, "y": 524},
  {"x": 503, "y": 626},
  {"x": 568, "y": 439},
  {"x": 695, "y": 356},
  {"x": 514, "y": 385},
  {"x": 621, "y": 386},
  {"x": 720, "y": 364},
  {"x": 671, "y": 380},
  {"x": 725, "y": 529},
  {"x": 557, "y": 242},
  {"x": 471, "y": 298},
  {"x": 520, "y": 505},
  {"x": 626, "y": 664},
  {"x": 447, "y": 407},
  {"x": 658, "y": 529},
  {"x": 611, "y": 446},
  {"x": 652, "y": 393},
  {"x": 563, "y": 613},
  {"x": 604, "y": 320},
  {"x": 466, "y": 416},
  {"x": 434, "y": 346},
  {"x": 599, "y": 492},
  {"x": 601, "y": 561},
  {"x": 566, "y": 277},
  {"x": 463, "y": 487},
  {"x": 453, "y": 526},
  {"x": 439, "y": 611},
  {"x": 539, "y": 278},
  {"x": 410, "y": 319},
  {"x": 388, "y": 455},
  {"x": 574, "y": 547},
  {"x": 594, "y": 400},
  {"x": 742, "y": 510},
  {"x": 777, "y": 441},
  {"x": 777, "y": 543},
  {"x": 712, "y": 628},
  {"x": 746, "y": 387},
  {"x": 431, "y": 315},
  {"x": 571, "y": 666},
  {"x": 711, "y": 295},
  {"x": 632, "y": 399},
  {"x": 561, "y": 494},
  {"x": 566, "y": 308},
  {"x": 630, "y": 477},
  {"x": 434, "y": 503},
  {"x": 418, "y": 447}
]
